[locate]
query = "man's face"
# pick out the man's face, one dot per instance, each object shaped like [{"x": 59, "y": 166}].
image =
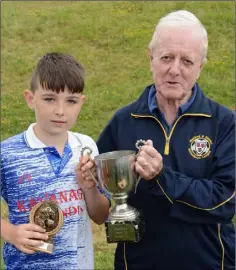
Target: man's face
[
  {"x": 176, "y": 63},
  {"x": 55, "y": 113}
]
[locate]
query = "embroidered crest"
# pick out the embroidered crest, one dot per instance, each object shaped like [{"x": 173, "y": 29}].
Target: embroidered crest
[{"x": 200, "y": 146}]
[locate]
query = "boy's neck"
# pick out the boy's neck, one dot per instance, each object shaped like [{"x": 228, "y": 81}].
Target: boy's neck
[{"x": 58, "y": 141}]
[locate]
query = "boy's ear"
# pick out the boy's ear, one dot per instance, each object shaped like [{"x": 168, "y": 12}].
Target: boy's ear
[
  {"x": 29, "y": 98},
  {"x": 83, "y": 98}
]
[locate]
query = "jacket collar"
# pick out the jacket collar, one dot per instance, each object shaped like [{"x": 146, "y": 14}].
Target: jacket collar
[{"x": 200, "y": 104}]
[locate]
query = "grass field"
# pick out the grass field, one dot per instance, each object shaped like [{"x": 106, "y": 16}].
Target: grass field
[{"x": 110, "y": 39}]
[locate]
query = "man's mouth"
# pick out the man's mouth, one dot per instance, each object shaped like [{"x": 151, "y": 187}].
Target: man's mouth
[{"x": 170, "y": 82}]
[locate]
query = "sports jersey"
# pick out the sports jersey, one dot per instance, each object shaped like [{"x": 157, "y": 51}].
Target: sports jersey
[{"x": 32, "y": 172}]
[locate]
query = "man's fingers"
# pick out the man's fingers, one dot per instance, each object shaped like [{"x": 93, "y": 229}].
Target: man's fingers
[
  {"x": 139, "y": 169},
  {"x": 142, "y": 162},
  {"x": 149, "y": 142},
  {"x": 148, "y": 150}
]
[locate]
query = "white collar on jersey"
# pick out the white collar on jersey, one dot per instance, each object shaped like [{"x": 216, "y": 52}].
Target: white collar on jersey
[{"x": 33, "y": 141}]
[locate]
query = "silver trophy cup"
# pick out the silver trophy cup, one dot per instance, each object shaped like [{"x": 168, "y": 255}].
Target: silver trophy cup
[{"x": 116, "y": 176}]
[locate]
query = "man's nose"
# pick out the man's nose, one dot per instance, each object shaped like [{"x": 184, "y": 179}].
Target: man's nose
[{"x": 175, "y": 68}]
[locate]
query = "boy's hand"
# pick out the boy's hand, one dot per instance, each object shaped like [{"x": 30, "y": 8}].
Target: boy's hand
[
  {"x": 83, "y": 173},
  {"x": 27, "y": 235}
]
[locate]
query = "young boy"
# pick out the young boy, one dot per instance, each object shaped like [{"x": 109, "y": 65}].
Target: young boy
[{"x": 41, "y": 164}]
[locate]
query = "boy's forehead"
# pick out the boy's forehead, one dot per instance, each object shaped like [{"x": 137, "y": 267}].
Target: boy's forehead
[{"x": 65, "y": 92}]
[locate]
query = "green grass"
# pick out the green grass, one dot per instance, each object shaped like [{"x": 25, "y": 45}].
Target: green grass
[{"x": 110, "y": 39}]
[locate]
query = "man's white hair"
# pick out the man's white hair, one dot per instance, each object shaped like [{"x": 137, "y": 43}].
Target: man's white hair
[{"x": 180, "y": 19}]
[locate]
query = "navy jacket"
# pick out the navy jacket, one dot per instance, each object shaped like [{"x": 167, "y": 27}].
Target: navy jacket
[{"x": 188, "y": 208}]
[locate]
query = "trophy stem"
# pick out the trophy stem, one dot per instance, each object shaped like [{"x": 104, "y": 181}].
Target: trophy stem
[
  {"x": 120, "y": 198},
  {"x": 122, "y": 211}
]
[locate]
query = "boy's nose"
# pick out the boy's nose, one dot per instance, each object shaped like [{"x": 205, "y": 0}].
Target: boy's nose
[{"x": 59, "y": 110}]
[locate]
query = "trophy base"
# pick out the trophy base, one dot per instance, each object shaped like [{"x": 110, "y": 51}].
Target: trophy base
[
  {"x": 124, "y": 231},
  {"x": 45, "y": 247}
]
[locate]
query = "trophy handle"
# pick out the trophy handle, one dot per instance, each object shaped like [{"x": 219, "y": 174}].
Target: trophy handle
[
  {"x": 138, "y": 145},
  {"x": 89, "y": 152}
]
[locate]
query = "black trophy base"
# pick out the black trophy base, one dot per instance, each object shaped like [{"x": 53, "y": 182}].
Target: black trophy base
[{"x": 124, "y": 231}]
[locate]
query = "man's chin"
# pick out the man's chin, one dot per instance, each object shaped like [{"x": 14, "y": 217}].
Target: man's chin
[{"x": 170, "y": 95}]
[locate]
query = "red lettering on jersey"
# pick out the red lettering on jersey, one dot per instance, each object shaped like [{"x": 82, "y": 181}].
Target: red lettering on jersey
[
  {"x": 63, "y": 196},
  {"x": 79, "y": 210},
  {"x": 71, "y": 211},
  {"x": 65, "y": 212},
  {"x": 25, "y": 176},
  {"x": 21, "y": 207},
  {"x": 32, "y": 203},
  {"x": 73, "y": 195}
]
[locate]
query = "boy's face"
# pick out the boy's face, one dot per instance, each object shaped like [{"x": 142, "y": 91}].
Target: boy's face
[{"x": 55, "y": 113}]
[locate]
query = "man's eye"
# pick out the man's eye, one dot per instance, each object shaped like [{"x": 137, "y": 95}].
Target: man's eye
[
  {"x": 166, "y": 58},
  {"x": 188, "y": 62}
]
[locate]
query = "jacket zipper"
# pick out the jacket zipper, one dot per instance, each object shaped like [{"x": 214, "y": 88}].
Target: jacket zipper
[{"x": 167, "y": 138}]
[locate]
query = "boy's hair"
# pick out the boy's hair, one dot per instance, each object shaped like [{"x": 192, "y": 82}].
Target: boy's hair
[{"x": 55, "y": 71}]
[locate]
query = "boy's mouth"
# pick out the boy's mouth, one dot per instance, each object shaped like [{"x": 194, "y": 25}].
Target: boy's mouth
[{"x": 58, "y": 122}]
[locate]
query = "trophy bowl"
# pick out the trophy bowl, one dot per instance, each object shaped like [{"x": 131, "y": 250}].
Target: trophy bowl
[{"x": 116, "y": 175}]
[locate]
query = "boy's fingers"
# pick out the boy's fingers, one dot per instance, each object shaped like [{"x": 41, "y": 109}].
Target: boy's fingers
[
  {"x": 34, "y": 227},
  {"x": 39, "y": 236},
  {"x": 27, "y": 250},
  {"x": 88, "y": 166},
  {"x": 84, "y": 159},
  {"x": 35, "y": 243}
]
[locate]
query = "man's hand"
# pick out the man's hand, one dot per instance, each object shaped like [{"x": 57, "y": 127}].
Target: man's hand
[
  {"x": 149, "y": 161},
  {"x": 85, "y": 168},
  {"x": 25, "y": 235}
]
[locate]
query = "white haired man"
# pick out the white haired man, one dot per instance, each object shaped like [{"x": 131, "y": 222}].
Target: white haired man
[{"x": 186, "y": 193}]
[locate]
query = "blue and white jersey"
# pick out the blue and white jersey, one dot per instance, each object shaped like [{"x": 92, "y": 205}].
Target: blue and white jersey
[{"x": 32, "y": 172}]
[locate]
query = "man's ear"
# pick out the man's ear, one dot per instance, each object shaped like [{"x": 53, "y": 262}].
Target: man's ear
[
  {"x": 201, "y": 67},
  {"x": 150, "y": 54},
  {"x": 29, "y": 98},
  {"x": 150, "y": 58}
]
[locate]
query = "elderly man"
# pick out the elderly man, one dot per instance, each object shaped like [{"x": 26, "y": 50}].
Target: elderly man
[{"x": 186, "y": 192}]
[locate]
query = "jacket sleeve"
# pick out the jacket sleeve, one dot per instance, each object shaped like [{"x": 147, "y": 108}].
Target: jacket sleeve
[
  {"x": 107, "y": 140},
  {"x": 204, "y": 200}
]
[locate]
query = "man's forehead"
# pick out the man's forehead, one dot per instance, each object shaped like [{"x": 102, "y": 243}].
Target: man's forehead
[
  {"x": 179, "y": 35},
  {"x": 187, "y": 41}
]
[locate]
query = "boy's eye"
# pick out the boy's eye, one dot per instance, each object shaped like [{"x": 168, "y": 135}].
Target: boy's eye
[
  {"x": 72, "y": 101},
  {"x": 48, "y": 99}
]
